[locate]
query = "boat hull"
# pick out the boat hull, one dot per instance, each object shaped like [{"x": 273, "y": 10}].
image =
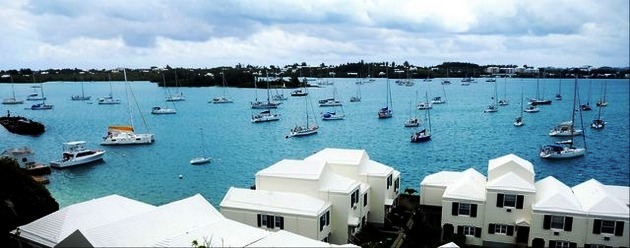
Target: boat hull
[
  {"x": 420, "y": 138},
  {"x": 200, "y": 160},
  {"x": 565, "y": 153},
  {"x": 98, "y": 155},
  {"x": 128, "y": 139}
]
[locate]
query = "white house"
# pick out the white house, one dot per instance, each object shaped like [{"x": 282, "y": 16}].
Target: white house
[
  {"x": 517, "y": 211},
  {"x": 274, "y": 210},
  {"x": 115, "y": 221},
  {"x": 608, "y": 211}
]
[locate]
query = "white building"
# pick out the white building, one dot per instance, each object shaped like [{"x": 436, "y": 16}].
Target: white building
[
  {"x": 348, "y": 190},
  {"x": 515, "y": 210},
  {"x": 116, "y": 221}
]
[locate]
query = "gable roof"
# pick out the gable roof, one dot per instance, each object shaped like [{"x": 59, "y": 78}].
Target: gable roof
[
  {"x": 511, "y": 181},
  {"x": 597, "y": 201},
  {"x": 273, "y": 202},
  {"x": 53, "y": 228},
  {"x": 510, "y": 163},
  {"x": 554, "y": 196},
  {"x": 358, "y": 159},
  {"x": 441, "y": 179},
  {"x": 470, "y": 186},
  {"x": 291, "y": 168}
]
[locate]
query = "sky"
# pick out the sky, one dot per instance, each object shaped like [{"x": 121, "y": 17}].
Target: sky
[{"x": 96, "y": 34}]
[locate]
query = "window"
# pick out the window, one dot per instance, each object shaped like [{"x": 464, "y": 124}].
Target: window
[
  {"x": 396, "y": 184},
  {"x": 354, "y": 198},
  {"x": 279, "y": 222},
  {"x": 557, "y": 222},
  {"x": 365, "y": 199},
  {"x": 270, "y": 221},
  {"x": 389, "y": 181},
  {"x": 608, "y": 226},
  {"x": 509, "y": 201},
  {"x": 562, "y": 244},
  {"x": 469, "y": 230},
  {"x": 464, "y": 209},
  {"x": 500, "y": 229},
  {"x": 263, "y": 219},
  {"x": 324, "y": 220}
]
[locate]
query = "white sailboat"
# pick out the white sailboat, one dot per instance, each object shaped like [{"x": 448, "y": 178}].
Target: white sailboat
[
  {"x": 519, "y": 119},
  {"x": 35, "y": 95},
  {"x": 423, "y": 135},
  {"x": 269, "y": 104},
  {"x": 599, "y": 123},
  {"x": 224, "y": 98},
  {"x": 43, "y": 105},
  {"x": 412, "y": 121},
  {"x": 386, "y": 112},
  {"x": 12, "y": 99},
  {"x": 539, "y": 100},
  {"x": 558, "y": 96},
  {"x": 109, "y": 99},
  {"x": 440, "y": 99},
  {"x": 175, "y": 97},
  {"x": 334, "y": 100},
  {"x": 565, "y": 149},
  {"x": 265, "y": 116},
  {"x": 125, "y": 134},
  {"x": 204, "y": 158},
  {"x": 587, "y": 106},
  {"x": 164, "y": 110},
  {"x": 81, "y": 97},
  {"x": 493, "y": 107},
  {"x": 504, "y": 101},
  {"x": 307, "y": 129},
  {"x": 602, "y": 102},
  {"x": 446, "y": 80},
  {"x": 357, "y": 97}
]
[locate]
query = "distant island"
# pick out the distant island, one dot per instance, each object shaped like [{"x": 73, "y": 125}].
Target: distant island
[{"x": 295, "y": 75}]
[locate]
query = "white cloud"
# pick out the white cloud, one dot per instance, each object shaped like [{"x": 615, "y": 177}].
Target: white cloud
[{"x": 92, "y": 33}]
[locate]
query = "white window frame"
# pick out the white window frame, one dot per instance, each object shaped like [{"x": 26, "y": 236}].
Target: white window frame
[
  {"x": 469, "y": 230},
  {"x": 463, "y": 207},
  {"x": 276, "y": 222},
  {"x": 562, "y": 244},
  {"x": 500, "y": 229},
  {"x": 512, "y": 203},
  {"x": 614, "y": 225},
  {"x": 263, "y": 220}
]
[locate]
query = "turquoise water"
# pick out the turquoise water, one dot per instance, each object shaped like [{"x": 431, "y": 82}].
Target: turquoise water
[{"x": 463, "y": 136}]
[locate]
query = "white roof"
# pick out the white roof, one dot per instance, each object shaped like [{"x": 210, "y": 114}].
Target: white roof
[
  {"x": 510, "y": 163},
  {"x": 274, "y": 202},
  {"x": 288, "y": 239},
  {"x": 471, "y": 186},
  {"x": 53, "y": 228},
  {"x": 290, "y": 168},
  {"x": 333, "y": 182},
  {"x": 354, "y": 158},
  {"x": 449, "y": 245},
  {"x": 596, "y": 200},
  {"x": 441, "y": 179},
  {"x": 554, "y": 196},
  {"x": 620, "y": 192},
  {"x": 221, "y": 232},
  {"x": 150, "y": 228},
  {"x": 512, "y": 182}
]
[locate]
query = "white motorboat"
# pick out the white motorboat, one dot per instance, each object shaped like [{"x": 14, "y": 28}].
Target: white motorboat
[
  {"x": 532, "y": 109},
  {"x": 162, "y": 111},
  {"x": 200, "y": 160},
  {"x": 424, "y": 105},
  {"x": 412, "y": 122},
  {"x": 332, "y": 115},
  {"x": 265, "y": 116},
  {"x": 75, "y": 153}
]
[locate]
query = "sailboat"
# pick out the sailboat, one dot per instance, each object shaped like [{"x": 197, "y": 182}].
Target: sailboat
[
  {"x": 175, "y": 97},
  {"x": 225, "y": 98},
  {"x": 35, "y": 96},
  {"x": 279, "y": 96},
  {"x": 334, "y": 101},
  {"x": 81, "y": 97},
  {"x": 587, "y": 106},
  {"x": 439, "y": 99},
  {"x": 493, "y": 106},
  {"x": 204, "y": 158},
  {"x": 565, "y": 149},
  {"x": 602, "y": 102},
  {"x": 386, "y": 112},
  {"x": 42, "y": 105},
  {"x": 12, "y": 100},
  {"x": 504, "y": 101},
  {"x": 539, "y": 100},
  {"x": 264, "y": 105},
  {"x": 125, "y": 135},
  {"x": 334, "y": 114},
  {"x": 428, "y": 79},
  {"x": 163, "y": 110},
  {"x": 423, "y": 135},
  {"x": 413, "y": 120},
  {"x": 559, "y": 95},
  {"x": 519, "y": 120},
  {"x": 109, "y": 99},
  {"x": 306, "y": 130},
  {"x": 446, "y": 81},
  {"x": 357, "y": 97},
  {"x": 598, "y": 123}
]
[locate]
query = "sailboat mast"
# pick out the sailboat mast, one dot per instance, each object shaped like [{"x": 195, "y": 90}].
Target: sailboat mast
[
  {"x": 12, "y": 87},
  {"x": 521, "y": 101},
  {"x": 428, "y": 110},
  {"x": 573, "y": 110},
  {"x": 128, "y": 98}
]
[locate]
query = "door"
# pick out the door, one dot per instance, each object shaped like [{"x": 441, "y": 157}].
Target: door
[{"x": 522, "y": 234}]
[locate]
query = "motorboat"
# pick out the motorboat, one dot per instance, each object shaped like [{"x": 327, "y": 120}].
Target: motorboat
[
  {"x": 332, "y": 115},
  {"x": 412, "y": 122},
  {"x": 222, "y": 99},
  {"x": 200, "y": 160},
  {"x": 265, "y": 116},
  {"x": 76, "y": 153},
  {"x": 424, "y": 105},
  {"x": 161, "y": 111},
  {"x": 41, "y": 106},
  {"x": 125, "y": 135},
  {"x": 438, "y": 100},
  {"x": 299, "y": 92},
  {"x": 329, "y": 102},
  {"x": 532, "y": 109}
]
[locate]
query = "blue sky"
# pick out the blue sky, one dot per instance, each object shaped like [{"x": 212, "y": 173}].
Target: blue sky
[{"x": 100, "y": 34}]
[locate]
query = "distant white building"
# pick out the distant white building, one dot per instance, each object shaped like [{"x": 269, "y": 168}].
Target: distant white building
[
  {"x": 510, "y": 209},
  {"x": 346, "y": 190},
  {"x": 116, "y": 221}
]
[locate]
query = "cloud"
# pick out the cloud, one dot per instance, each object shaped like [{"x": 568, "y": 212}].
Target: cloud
[{"x": 209, "y": 33}]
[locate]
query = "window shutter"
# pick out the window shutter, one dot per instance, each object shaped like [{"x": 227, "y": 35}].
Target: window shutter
[
  {"x": 259, "y": 220},
  {"x": 321, "y": 223},
  {"x": 619, "y": 228},
  {"x": 547, "y": 222},
  {"x": 491, "y": 228},
  {"x": 365, "y": 199},
  {"x": 572, "y": 245},
  {"x": 328, "y": 218},
  {"x": 478, "y": 232},
  {"x": 510, "y": 231},
  {"x": 473, "y": 210},
  {"x": 281, "y": 222},
  {"x": 460, "y": 229},
  {"x": 455, "y": 209},
  {"x": 499, "y": 200},
  {"x": 568, "y": 223},
  {"x": 519, "y": 201},
  {"x": 269, "y": 221},
  {"x": 597, "y": 226},
  {"x": 552, "y": 243}
]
